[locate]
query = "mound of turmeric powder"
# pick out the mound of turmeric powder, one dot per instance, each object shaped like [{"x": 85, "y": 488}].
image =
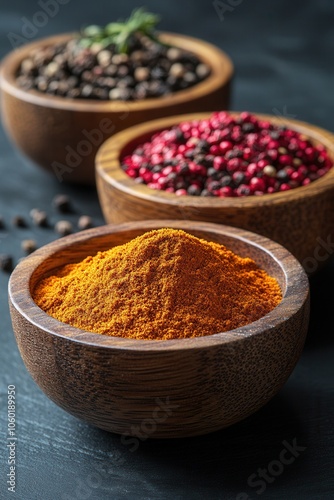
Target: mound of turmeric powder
[{"x": 165, "y": 284}]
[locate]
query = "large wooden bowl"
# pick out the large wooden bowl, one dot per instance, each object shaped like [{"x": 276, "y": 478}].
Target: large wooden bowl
[
  {"x": 161, "y": 389},
  {"x": 301, "y": 219},
  {"x": 52, "y": 130}
]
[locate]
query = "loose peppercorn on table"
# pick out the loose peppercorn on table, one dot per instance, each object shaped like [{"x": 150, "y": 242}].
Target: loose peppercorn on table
[{"x": 283, "y": 55}]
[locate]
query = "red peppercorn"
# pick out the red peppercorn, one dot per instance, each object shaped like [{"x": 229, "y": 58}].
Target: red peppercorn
[
  {"x": 285, "y": 160},
  {"x": 234, "y": 165},
  {"x": 284, "y": 187},
  {"x": 219, "y": 163},
  {"x": 225, "y": 191},
  {"x": 131, "y": 172},
  {"x": 225, "y": 146},
  {"x": 247, "y": 153},
  {"x": 262, "y": 163},
  {"x": 167, "y": 170},
  {"x": 302, "y": 170},
  {"x": 296, "y": 176},
  {"x": 273, "y": 144},
  {"x": 252, "y": 169},
  {"x": 214, "y": 149},
  {"x": 180, "y": 192},
  {"x": 257, "y": 184}
]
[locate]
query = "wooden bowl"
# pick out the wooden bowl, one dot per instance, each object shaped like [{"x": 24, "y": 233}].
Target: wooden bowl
[
  {"x": 301, "y": 219},
  {"x": 58, "y": 133},
  {"x": 161, "y": 389}
]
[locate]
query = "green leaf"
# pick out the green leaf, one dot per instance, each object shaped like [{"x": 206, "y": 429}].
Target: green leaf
[
  {"x": 113, "y": 28},
  {"x": 92, "y": 31},
  {"x": 119, "y": 33},
  {"x": 85, "y": 43}
]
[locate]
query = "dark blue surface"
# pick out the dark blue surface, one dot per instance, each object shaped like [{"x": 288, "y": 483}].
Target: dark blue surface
[{"x": 283, "y": 53}]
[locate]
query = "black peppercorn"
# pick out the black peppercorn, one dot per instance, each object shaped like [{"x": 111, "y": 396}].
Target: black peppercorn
[
  {"x": 19, "y": 221},
  {"x": 6, "y": 263},
  {"x": 28, "y": 246},
  {"x": 63, "y": 227},
  {"x": 85, "y": 222},
  {"x": 62, "y": 203},
  {"x": 39, "y": 217}
]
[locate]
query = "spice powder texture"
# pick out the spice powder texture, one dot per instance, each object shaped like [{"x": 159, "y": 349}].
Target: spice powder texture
[{"x": 165, "y": 284}]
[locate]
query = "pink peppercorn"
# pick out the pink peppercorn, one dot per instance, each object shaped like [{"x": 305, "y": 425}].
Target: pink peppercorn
[
  {"x": 285, "y": 160},
  {"x": 225, "y": 146},
  {"x": 252, "y": 169},
  {"x": 297, "y": 176},
  {"x": 225, "y": 191},
  {"x": 215, "y": 149},
  {"x": 131, "y": 172},
  {"x": 180, "y": 192},
  {"x": 262, "y": 163},
  {"x": 219, "y": 163},
  {"x": 257, "y": 184}
]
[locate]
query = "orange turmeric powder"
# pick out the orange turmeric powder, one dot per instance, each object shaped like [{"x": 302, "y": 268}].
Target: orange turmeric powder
[{"x": 165, "y": 284}]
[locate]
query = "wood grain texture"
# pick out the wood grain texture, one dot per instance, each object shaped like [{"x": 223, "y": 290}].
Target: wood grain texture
[
  {"x": 44, "y": 127},
  {"x": 298, "y": 219},
  {"x": 118, "y": 384}
]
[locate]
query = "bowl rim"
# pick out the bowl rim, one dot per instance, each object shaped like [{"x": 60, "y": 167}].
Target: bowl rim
[
  {"x": 20, "y": 297},
  {"x": 221, "y": 65},
  {"x": 107, "y": 165}
]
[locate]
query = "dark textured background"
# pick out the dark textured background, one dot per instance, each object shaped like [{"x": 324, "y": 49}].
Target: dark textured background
[{"x": 283, "y": 53}]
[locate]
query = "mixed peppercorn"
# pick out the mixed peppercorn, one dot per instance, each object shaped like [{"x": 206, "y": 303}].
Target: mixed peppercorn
[
  {"x": 121, "y": 61},
  {"x": 226, "y": 155}
]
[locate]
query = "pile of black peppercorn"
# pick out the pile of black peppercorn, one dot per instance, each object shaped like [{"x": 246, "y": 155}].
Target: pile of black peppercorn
[{"x": 149, "y": 69}]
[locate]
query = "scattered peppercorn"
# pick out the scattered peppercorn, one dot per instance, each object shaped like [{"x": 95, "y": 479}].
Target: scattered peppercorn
[
  {"x": 226, "y": 156},
  {"x": 19, "y": 221},
  {"x": 63, "y": 227},
  {"x": 6, "y": 263},
  {"x": 39, "y": 217},
  {"x": 62, "y": 203},
  {"x": 28, "y": 246},
  {"x": 85, "y": 222}
]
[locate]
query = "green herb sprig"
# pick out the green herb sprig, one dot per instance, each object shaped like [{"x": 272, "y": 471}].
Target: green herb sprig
[{"x": 119, "y": 33}]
